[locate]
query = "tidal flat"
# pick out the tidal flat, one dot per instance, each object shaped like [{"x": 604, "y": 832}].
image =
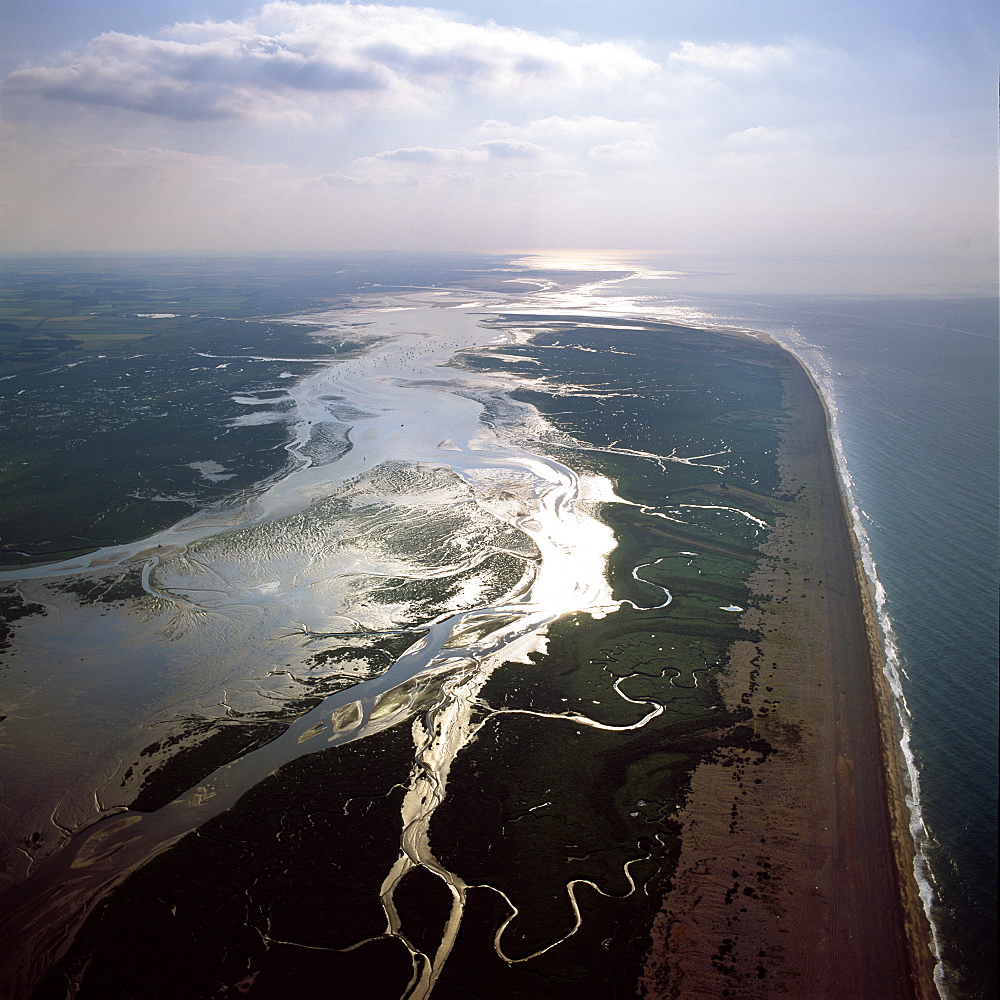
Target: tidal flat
[{"x": 537, "y": 779}]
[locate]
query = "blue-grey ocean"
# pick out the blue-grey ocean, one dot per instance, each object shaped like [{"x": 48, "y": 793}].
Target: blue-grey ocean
[{"x": 913, "y": 385}]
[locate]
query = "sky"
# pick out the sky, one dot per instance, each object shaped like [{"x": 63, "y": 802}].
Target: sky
[{"x": 757, "y": 127}]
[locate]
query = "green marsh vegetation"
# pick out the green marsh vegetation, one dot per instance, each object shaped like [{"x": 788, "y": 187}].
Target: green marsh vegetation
[
  {"x": 110, "y": 404},
  {"x": 538, "y": 802}
]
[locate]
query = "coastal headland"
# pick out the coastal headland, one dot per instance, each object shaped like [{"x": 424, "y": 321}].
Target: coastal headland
[{"x": 689, "y": 791}]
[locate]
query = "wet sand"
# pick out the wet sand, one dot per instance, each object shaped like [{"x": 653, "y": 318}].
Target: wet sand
[{"x": 795, "y": 874}]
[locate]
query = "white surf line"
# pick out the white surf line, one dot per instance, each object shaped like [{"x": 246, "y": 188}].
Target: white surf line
[{"x": 823, "y": 376}]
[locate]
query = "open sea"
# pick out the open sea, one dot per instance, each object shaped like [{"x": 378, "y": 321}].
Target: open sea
[{"x": 913, "y": 385}]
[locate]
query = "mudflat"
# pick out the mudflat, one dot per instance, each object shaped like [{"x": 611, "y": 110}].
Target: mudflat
[{"x": 795, "y": 871}]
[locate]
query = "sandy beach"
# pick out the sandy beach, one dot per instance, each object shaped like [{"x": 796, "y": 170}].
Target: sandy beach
[{"x": 795, "y": 874}]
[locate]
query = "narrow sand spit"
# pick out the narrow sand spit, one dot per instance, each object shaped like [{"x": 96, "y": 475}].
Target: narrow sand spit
[{"x": 795, "y": 873}]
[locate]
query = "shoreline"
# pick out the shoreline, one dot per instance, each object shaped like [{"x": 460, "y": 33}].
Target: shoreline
[
  {"x": 821, "y": 822},
  {"x": 917, "y": 926}
]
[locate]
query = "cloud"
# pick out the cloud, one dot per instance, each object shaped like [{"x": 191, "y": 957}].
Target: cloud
[
  {"x": 586, "y": 128},
  {"x": 292, "y": 59},
  {"x": 628, "y": 152},
  {"x": 513, "y": 149},
  {"x": 572, "y": 141},
  {"x": 410, "y": 165},
  {"x": 761, "y": 135},
  {"x": 210, "y": 81},
  {"x": 728, "y": 57},
  {"x": 413, "y": 164},
  {"x": 764, "y": 146},
  {"x": 365, "y": 177},
  {"x": 554, "y": 175},
  {"x": 429, "y": 154},
  {"x": 161, "y": 166}
]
